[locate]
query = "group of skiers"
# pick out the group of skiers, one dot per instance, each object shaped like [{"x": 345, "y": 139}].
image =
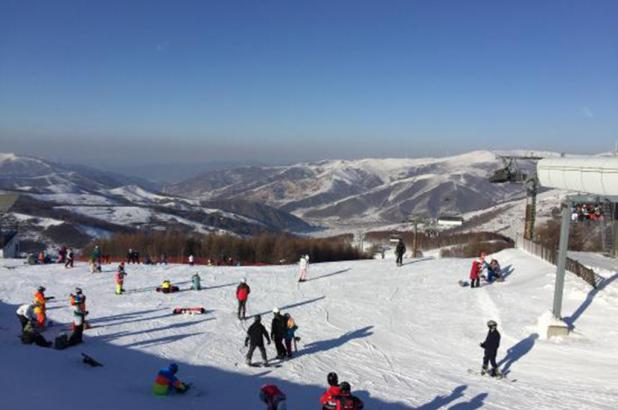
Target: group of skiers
[
  {"x": 282, "y": 333},
  {"x": 494, "y": 272}
]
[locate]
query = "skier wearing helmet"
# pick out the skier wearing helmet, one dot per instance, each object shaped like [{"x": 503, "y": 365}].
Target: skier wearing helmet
[
  {"x": 327, "y": 400},
  {"x": 166, "y": 382},
  {"x": 490, "y": 346}
]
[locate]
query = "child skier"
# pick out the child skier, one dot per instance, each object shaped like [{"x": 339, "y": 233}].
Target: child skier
[
  {"x": 326, "y": 400},
  {"x": 290, "y": 335},
  {"x": 303, "y": 265},
  {"x": 255, "y": 339},
  {"x": 490, "y": 346},
  {"x": 242, "y": 294},
  {"x": 273, "y": 397},
  {"x": 196, "y": 282},
  {"x": 120, "y": 274},
  {"x": 345, "y": 399},
  {"x": 475, "y": 271},
  {"x": 166, "y": 382}
]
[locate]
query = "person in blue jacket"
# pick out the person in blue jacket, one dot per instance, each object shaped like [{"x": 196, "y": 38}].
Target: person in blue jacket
[{"x": 167, "y": 382}]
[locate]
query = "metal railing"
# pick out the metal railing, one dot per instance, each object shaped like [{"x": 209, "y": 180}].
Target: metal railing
[{"x": 551, "y": 256}]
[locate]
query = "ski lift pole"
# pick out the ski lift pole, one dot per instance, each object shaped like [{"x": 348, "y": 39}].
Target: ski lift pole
[{"x": 561, "y": 263}]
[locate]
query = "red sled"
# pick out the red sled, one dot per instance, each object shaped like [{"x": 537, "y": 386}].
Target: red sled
[{"x": 190, "y": 310}]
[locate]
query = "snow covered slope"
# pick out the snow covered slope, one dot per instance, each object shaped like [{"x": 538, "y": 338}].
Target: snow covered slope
[
  {"x": 403, "y": 337},
  {"x": 368, "y": 190}
]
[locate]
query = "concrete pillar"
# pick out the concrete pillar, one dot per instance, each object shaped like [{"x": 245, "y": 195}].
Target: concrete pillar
[{"x": 561, "y": 263}]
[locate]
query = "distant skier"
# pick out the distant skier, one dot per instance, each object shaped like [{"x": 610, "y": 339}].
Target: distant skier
[
  {"x": 196, "y": 282},
  {"x": 400, "y": 250},
  {"x": 274, "y": 398},
  {"x": 191, "y": 260},
  {"x": 278, "y": 330},
  {"x": 345, "y": 399},
  {"x": 255, "y": 339},
  {"x": 166, "y": 382},
  {"x": 242, "y": 295},
  {"x": 303, "y": 265},
  {"x": 475, "y": 271},
  {"x": 25, "y": 313},
  {"x": 290, "y": 334},
  {"x": 490, "y": 346},
  {"x": 167, "y": 287},
  {"x": 31, "y": 334},
  {"x": 327, "y": 400},
  {"x": 70, "y": 258},
  {"x": 120, "y": 274}
]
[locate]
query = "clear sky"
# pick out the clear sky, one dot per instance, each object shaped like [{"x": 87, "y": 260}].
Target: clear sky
[{"x": 120, "y": 82}]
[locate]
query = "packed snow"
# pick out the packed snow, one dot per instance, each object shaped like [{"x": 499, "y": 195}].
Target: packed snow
[{"x": 403, "y": 337}]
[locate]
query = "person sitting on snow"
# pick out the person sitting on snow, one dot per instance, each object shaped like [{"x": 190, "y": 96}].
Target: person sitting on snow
[
  {"x": 345, "y": 399},
  {"x": 196, "y": 282},
  {"x": 166, "y": 382},
  {"x": 326, "y": 400},
  {"x": 167, "y": 287},
  {"x": 31, "y": 334},
  {"x": 493, "y": 271},
  {"x": 273, "y": 397},
  {"x": 76, "y": 337}
]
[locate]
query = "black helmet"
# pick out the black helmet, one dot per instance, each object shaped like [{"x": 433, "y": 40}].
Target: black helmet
[
  {"x": 492, "y": 323},
  {"x": 41, "y": 289},
  {"x": 258, "y": 318},
  {"x": 345, "y": 387},
  {"x": 332, "y": 378}
]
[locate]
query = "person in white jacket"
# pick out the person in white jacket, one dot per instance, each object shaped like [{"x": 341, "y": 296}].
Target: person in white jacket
[
  {"x": 304, "y": 266},
  {"x": 25, "y": 313}
]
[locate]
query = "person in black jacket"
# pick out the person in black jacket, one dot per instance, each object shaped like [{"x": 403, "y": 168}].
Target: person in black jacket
[
  {"x": 278, "y": 330},
  {"x": 491, "y": 345},
  {"x": 399, "y": 251},
  {"x": 255, "y": 338}
]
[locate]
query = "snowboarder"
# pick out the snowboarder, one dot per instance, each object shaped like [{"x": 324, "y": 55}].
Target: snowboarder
[
  {"x": 255, "y": 338},
  {"x": 490, "y": 346},
  {"x": 326, "y": 400},
  {"x": 167, "y": 287},
  {"x": 242, "y": 294},
  {"x": 70, "y": 258},
  {"x": 278, "y": 330},
  {"x": 196, "y": 282},
  {"x": 400, "y": 250},
  {"x": 31, "y": 334},
  {"x": 166, "y": 382},
  {"x": 25, "y": 314},
  {"x": 345, "y": 399},
  {"x": 273, "y": 397},
  {"x": 475, "y": 271},
  {"x": 120, "y": 274},
  {"x": 290, "y": 334},
  {"x": 303, "y": 265}
]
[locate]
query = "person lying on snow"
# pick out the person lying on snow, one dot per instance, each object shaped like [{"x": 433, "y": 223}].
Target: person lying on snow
[
  {"x": 273, "y": 397},
  {"x": 167, "y": 287},
  {"x": 493, "y": 271},
  {"x": 166, "y": 382}
]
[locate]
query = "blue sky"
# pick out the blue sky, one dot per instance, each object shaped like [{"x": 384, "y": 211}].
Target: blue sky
[{"x": 120, "y": 82}]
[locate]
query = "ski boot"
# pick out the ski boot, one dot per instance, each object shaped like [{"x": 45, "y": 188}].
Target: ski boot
[
  {"x": 483, "y": 371},
  {"x": 495, "y": 372}
]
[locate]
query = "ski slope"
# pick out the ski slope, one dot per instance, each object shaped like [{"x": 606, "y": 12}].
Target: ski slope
[{"x": 404, "y": 338}]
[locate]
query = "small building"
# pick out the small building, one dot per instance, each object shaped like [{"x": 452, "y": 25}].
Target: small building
[
  {"x": 9, "y": 244},
  {"x": 450, "y": 221}
]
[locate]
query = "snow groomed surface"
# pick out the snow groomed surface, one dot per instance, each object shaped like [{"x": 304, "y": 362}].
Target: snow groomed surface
[{"x": 404, "y": 337}]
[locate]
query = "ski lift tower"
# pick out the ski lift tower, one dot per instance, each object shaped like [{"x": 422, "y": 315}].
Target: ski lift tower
[
  {"x": 416, "y": 221},
  {"x": 594, "y": 180}
]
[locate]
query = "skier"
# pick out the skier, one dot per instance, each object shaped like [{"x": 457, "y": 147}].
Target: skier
[
  {"x": 490, "y": 346},
  {"x": 40, "y": 310},
  {"x": 31, "y": 334},
  {"x": 242, "y": 294},
  {"x": 196, "y": 282},
  {"x": 326, "y": 400},
  {"x": 79, "y": 299},
  {"x": 62, "y": 254},
  {"x": 120, "y": 274},
  {"x": 255, "y": 338},
  {"x": 166, "y": 382},
  {"x": 278, "y": 330},
  {"x": 70, "y": 258},
  {"x": 303, "y": 265},
  {"x": 345, "y": 400},
  {"x": 290, "y": 334},
  {"x": 191, "y": 260},
  {"x": 25, "y": 314},
  {"x": 400, "y": 250},
  {"x": 475, "y": 272},
  {"x": 273, "y": 397}
]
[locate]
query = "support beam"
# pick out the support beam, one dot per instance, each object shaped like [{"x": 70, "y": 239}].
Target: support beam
[{"x": 561, "y": 263}]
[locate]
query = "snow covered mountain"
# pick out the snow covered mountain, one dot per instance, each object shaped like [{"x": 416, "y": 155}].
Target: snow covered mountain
[
  {"x": 363, "y": 191},
  {"x": 71, "y": 204}
]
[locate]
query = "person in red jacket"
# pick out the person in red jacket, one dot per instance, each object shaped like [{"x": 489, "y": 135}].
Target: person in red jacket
[
  {"x": 242, "y": 294},
  {"x": 273, "y": 397},
  {"x": 475, "y": 271},
  {"x": 345, "y": 400},
  {"x": 327, "y": 400}
]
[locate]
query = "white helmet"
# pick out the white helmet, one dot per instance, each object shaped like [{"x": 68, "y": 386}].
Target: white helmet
[
  {"x": 275, "y": 310},
  {"x": 243, "y": 280}
]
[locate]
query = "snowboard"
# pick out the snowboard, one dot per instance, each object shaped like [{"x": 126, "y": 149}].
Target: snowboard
[
  {"x": 90, "y": 361},
  {"x": 190, "y": 310},
  {"x": 260, "y": 364},
  {"x": 502, "y": 377},
  {"x": 463, "y": 283}
]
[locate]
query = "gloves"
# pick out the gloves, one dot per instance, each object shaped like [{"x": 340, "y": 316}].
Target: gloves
[{"x": 483, "y": 345}]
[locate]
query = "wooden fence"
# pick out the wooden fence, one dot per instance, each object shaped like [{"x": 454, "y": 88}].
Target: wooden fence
[{"x": 551, "y": 256}]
